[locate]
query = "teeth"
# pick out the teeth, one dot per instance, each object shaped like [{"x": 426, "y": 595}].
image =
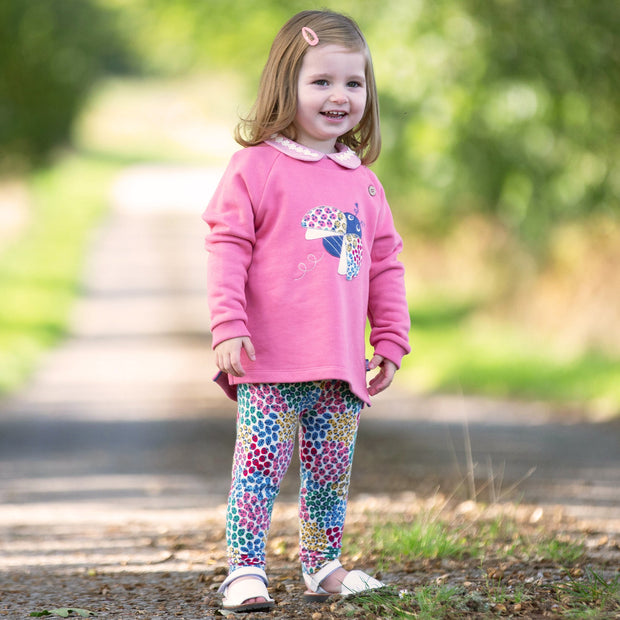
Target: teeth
[{"x": 334, "y": 114}]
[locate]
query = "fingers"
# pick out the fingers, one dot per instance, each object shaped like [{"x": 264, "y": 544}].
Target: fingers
[
  {"x": 230, "y": 363},
  {"x": 228, "y": 355},
  {"x": 378, "y": 384},
  {"x": 249, "y": 348},
  {"x": 383, "y": 378}
]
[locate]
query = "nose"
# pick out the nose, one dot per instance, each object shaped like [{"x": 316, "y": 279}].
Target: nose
[{"x": 338, "y": 96}]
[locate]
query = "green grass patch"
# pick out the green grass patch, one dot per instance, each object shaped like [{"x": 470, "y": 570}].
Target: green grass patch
[
  {"x": 590, "y": 597},
  {"x": 455, "y": 351},
  {"x": 40, "y": 271},
  {"x": 420, "y": 539},
  {"x": 562, "y": 552},
  {"x": 424, "y": 603},
  {"x": 429, "y": 537},
  {"x": 487, "y": 567}
]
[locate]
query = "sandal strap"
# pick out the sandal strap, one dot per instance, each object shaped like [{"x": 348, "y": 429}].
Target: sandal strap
[
  {"x": 244, "y": 571},
  {"x": 358, "y": 581},
  {"x": 313, "y": 581}
]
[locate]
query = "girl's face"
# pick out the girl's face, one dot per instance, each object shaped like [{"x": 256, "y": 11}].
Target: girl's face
[{"x": 331, "y": 95}]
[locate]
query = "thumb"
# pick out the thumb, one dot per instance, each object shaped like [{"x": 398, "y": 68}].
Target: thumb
[
  {"x": 375, "y": 362},
  {"x": 249, "y": 348}
]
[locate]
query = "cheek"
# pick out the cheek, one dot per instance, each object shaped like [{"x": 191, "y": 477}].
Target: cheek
[
  {"x": 360, "y": 106},
  {"x": 364, "y": 106},
  {"x": 305, "y": 103}
]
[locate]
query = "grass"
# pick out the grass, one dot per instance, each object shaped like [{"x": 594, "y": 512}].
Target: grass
[
  {"x": 430, "y": 537},
  {"x": 454, "y": 351},
  {"x": 593, "y": 597},
  {"x": 488, "y": 566},
  {"x": 40, "y": 271},
  {"x": 563, "y": 552},
  {"x": 422, "y": 538},
  {"x": 590, "y": 596}
]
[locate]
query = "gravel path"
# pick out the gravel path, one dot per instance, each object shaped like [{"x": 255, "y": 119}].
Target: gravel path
[{"x": 115, "y": 460}]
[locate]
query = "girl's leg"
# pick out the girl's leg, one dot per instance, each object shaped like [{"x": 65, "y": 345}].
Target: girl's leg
[
  {"x": 326, "y": 443},
  {"x": 266, "y": 428}
]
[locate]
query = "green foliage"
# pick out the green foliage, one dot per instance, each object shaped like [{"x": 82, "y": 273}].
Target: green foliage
[
  {"x": 503, "y": 107},
  {"x": 50, "y": 55},
  {"x": 185, "y": 35},
  {"x": 508, "y": 107}
]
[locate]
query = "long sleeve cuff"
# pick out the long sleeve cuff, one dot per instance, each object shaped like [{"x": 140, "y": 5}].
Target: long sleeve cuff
[
  {"x": 228, "y": 330},
  {"x": 391, "y": 351}
]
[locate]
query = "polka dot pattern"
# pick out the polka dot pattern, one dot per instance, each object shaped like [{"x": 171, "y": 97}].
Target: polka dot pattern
[{"x": 325, "y": 415}]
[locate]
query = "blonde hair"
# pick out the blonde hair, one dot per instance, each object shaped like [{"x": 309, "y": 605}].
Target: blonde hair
[{"x": 276, "y": 104}]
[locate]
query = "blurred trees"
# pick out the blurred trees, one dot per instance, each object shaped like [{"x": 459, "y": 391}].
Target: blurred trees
[
  {"x": 51, "y": 52},
  {"x": 185, "y": 35},
  {"x": 506, "y": 107}
]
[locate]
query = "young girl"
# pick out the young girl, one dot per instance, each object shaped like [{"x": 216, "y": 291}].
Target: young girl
[{"x": 302, "y": 250}]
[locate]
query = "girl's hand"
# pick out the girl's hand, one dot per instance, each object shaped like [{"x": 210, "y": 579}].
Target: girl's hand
[
  {"x": 383, "y": 378},
  {"x": 228, "y": 355}
]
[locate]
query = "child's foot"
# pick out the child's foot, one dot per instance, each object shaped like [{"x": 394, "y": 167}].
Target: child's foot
[
  {"x": 333, "y": 582},
  {"x": 334, "y": 579},
  {"x": 245, "y": 589},
  {"x": 247, "y": 601}
]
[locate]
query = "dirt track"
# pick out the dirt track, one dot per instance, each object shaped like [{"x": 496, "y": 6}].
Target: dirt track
[{"x": 115, "y": 460}]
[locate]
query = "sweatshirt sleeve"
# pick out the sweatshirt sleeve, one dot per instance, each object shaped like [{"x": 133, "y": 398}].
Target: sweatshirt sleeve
[
  {"x": 388, "y": 311},
  {"x": 230, "y": 242}
]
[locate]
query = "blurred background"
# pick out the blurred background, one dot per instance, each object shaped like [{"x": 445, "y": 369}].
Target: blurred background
[{"x": 501, "y": 160}]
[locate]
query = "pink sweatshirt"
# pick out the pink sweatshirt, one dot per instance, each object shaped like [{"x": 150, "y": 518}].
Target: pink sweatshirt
[{"x": 302, "y": 249}]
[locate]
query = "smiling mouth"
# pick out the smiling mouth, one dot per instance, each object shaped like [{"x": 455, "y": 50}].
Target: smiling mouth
[{"x": 334, "y": 114}]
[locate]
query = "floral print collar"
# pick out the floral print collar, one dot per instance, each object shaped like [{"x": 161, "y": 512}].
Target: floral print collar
[{"x": 345, "y": 156}]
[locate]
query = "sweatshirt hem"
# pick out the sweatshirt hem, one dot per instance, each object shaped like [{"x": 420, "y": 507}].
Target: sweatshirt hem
[{"x": 229, "y": 384}]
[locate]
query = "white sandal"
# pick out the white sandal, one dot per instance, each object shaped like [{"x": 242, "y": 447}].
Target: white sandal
[
  {"x": 236, "y": 592},
  {"x": 355, "y": 582}
]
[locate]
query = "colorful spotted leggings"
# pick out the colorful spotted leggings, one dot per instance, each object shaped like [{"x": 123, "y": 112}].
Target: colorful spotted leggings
[{"x": 327, "y": 416}]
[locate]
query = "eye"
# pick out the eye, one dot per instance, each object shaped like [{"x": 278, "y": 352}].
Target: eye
[
  {"x": 354, "y": 84},
  {"x": 320, "y": 82}
]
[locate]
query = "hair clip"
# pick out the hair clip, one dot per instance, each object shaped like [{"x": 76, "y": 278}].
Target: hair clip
[{"x": 310, "y": 36}]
